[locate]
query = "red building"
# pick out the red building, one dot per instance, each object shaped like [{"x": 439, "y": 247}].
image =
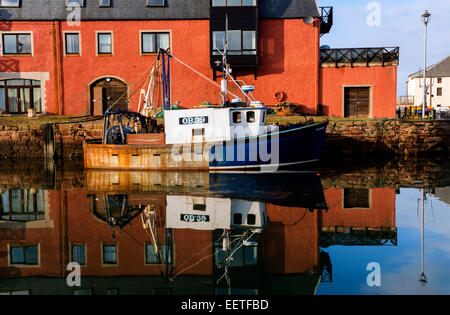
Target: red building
[{"x": 50, "y": 62}]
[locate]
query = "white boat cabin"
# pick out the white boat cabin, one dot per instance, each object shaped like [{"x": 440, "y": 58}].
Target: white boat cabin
[
  {"x": 213, "y": 124},
  {"x": 206, "y": 213}
]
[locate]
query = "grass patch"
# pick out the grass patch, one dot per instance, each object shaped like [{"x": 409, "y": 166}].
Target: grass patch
[
  {"x": 271, "y": 119},
  {"x": 41, "y": 120}
]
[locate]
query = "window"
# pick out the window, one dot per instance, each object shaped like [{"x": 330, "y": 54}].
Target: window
[
  {"x": 82, "y": 292},
  {"x": 72, "y": 43},
  {"x": 24, "y": 255},
  {"x": 17, "y": 44},
  {"x": 248, "y": 42},
  {"x": 198, "y": 132},
  {"x": 74, "y": 3},
  {"x": 18, "y": 95},
  {"x": 157, "y": 257},
  {"x": 439, "y": 91},
  {"x": 233, "y": 3},
  {"x": 151, "y": 42},
  {"x": 22, "y": 205},
  {"x": 110, "y": 254},
  {"x": 105, "y": 3},
  {"x": 250, "y": 117},
  {"x": 237, "y": 218},
  {"x": 104, "y": 43},
  {"x": 251, "y": 219},
  {"x": 155, "y": 3},
  {"x": 237, "y": 117},
  {"x": 439, "y": 80},
  {"x": 356, "y": 198},
  {"x": 199, "y": 207},
  {"x": 79, "y": 254},
  {"x": 264, "y": 117},
  {"x": 9, "y": 3},
  {"x": 239, "y": 42},
  {"x": 23, "y": 292}
]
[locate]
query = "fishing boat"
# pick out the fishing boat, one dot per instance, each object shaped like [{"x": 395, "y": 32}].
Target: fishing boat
[{"x": 233, "y": 136}]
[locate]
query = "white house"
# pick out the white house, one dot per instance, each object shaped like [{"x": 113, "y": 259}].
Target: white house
[{"x": 438, "y": 83}]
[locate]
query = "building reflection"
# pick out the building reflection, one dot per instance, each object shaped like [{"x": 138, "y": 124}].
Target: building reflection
[{"x": 183, "y": 234}]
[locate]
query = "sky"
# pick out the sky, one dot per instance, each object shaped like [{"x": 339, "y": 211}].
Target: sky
[{"x": 400, "y": 25}]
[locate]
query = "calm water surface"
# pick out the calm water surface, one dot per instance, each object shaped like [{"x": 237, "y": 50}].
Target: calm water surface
[{"x": 312, "y": 231}]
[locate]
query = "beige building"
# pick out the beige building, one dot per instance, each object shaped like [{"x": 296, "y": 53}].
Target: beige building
[{"x": 438, "y": 84}]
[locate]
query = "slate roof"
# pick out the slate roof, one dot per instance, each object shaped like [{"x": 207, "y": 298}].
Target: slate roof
[
  {"x": 137, "y": 10},
  {"x": 441, "y": 69}
]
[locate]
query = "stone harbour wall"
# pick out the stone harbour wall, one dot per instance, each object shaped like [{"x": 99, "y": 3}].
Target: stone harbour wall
[
  {"x": 406, "y": 139},
  {"x": 27, "y": 142},
  {"x": 348, "y": 140}
]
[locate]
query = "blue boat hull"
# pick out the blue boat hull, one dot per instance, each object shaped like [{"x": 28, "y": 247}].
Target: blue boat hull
[{"x": 295, "y": 145}]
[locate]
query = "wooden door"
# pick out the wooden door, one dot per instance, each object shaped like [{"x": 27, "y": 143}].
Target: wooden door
[
  {"x": 106, "y": 93},
  {"x": 357, "y": 102}
]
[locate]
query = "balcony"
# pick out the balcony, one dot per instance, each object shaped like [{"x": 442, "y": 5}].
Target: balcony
[
  {"x": 405, "y": 101},
  {"x": 242, "y": 23},
  {"x": 326, "y": 20},
  {"x": 359, "y": 56}
]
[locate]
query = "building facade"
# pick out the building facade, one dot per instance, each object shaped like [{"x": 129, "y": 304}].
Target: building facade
[
  {"x": 438, "y": 86},
  {"x": 80, "y": 57}
]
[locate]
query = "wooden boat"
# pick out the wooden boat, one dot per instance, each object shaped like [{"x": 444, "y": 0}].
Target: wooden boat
[{"x": 232, "y": 137}]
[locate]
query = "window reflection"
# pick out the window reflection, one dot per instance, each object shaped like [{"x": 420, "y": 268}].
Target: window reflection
[{"x": 22, "y": 205}]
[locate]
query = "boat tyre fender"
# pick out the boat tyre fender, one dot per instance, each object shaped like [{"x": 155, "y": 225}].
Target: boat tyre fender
[{"x": 280, "y": 95}]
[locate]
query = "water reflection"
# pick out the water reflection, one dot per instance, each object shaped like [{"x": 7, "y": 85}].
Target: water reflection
[{"x": 189, "y": 233}]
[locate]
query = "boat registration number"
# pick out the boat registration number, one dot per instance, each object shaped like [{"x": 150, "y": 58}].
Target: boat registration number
[
  {"x": 201, "y": 120},
  {"x": 194, "y": 218}
]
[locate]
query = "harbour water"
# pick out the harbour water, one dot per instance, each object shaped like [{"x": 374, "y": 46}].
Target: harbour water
[{"x": 328, "y": 229}]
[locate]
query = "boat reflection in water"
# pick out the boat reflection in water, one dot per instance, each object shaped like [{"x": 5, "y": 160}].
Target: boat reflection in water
[{"x": 185, "y": 233}]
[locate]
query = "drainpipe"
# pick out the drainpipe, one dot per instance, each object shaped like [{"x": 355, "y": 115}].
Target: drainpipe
[
  {"x": 57, "y": 62},
  {"x": 318, "y": 98}
]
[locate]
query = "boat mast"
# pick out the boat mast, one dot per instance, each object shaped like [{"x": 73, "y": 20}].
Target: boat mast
[{"x": 225, "y": 65}]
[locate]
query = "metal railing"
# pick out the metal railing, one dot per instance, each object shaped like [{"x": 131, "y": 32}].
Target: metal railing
[
  {"x": 326, "y": 20},
  {"x": 366, "y": 56}
]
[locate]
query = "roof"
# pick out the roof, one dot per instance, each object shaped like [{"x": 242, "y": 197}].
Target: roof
[
  {"x": 441, "y": 69},
  {"x": 137, "y": 10}
]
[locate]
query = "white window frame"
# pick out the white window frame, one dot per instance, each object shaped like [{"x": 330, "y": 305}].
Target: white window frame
[
  {"x": 65, "y": 44},
  {"x": 96, "y": 43},
  {"x": 154, "y": 31},
  {"x": 17, "y": 32}
]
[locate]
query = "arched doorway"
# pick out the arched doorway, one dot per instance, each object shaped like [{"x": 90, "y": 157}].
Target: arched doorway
[{"x": 106, "y": 92}]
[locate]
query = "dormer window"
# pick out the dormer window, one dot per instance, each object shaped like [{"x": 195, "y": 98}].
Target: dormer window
[
  {"x": 233, "y": 3},
  {"x": 9, "y": 3},
  {"x": 74, "y": 3},
  {"x": 242, "y": 33},
  {"x": 105, "y": 3},
  {"x": 155, "y": 3}
]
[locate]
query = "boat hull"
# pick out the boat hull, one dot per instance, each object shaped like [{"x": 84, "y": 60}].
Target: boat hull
[{"x": 297, "y": 145}]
